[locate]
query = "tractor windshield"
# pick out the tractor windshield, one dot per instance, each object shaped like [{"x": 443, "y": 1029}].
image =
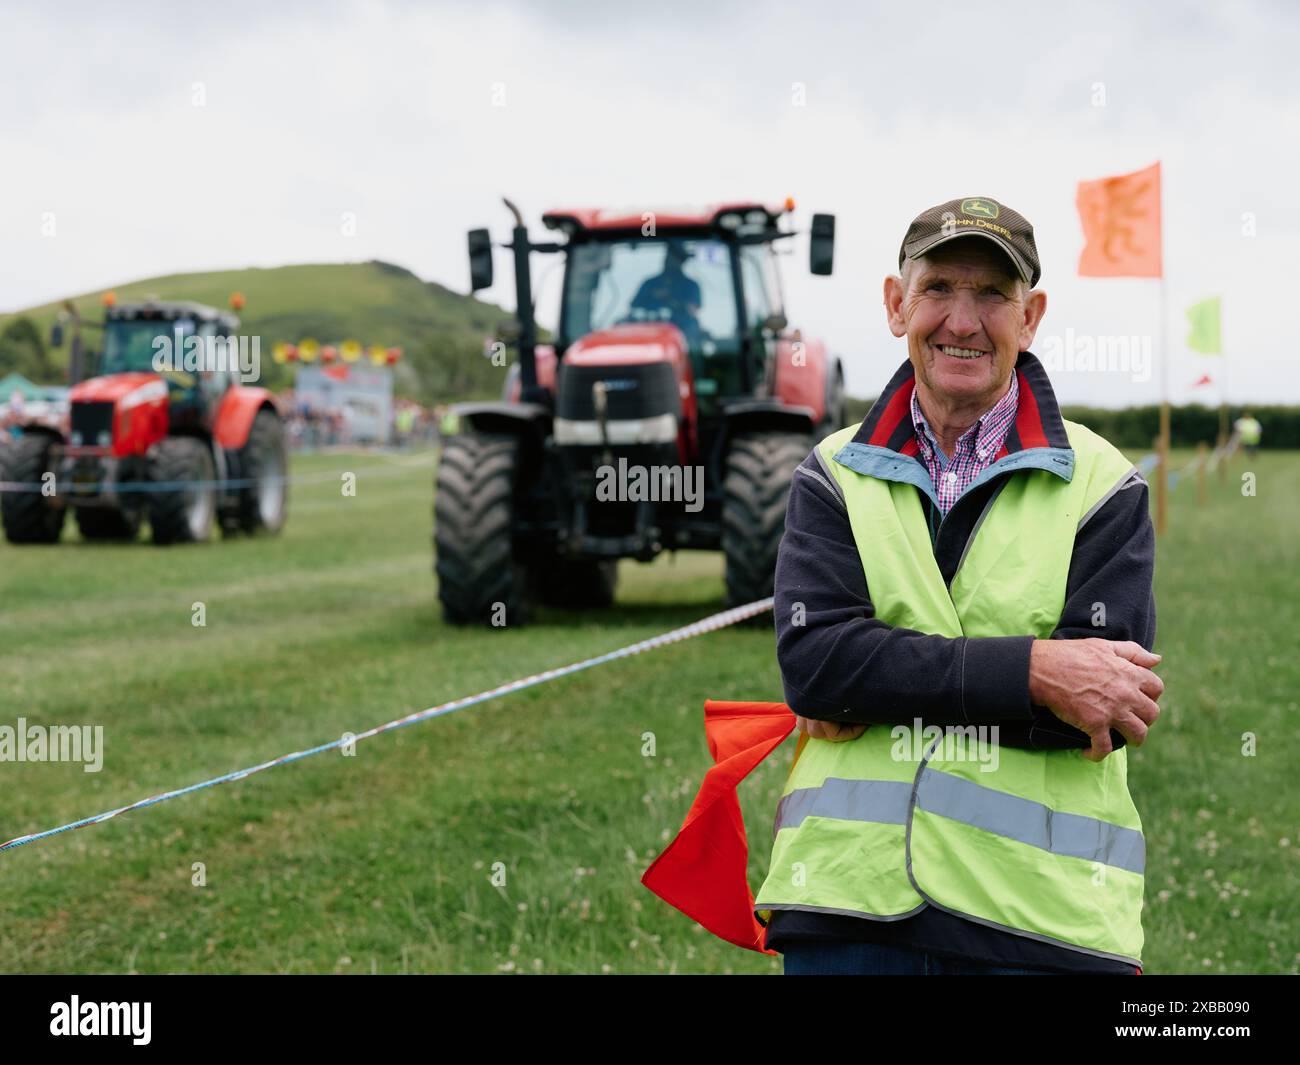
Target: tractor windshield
[
  {"x": 129, "y": 343},
  {"x": 687, "y": 282}
]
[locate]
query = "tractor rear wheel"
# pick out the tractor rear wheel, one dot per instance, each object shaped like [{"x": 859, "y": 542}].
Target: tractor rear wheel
[
  {"x": 28, "y": 516},
  {"x": 575, "y": 583},
  {"x": 263, "y": 460},
  {"x": 480, "y": 578},
  {"x": 756, "y": 490},
  {"x": 103, "y": 523},
  {"x": 183, "y": 511}
]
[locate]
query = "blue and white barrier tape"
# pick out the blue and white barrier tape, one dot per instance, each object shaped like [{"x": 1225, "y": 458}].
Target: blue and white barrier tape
[{"x": 709, "y": 624}]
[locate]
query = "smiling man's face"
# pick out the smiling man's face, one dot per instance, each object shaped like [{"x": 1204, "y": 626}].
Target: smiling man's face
[{"x": 965, "y": 320}]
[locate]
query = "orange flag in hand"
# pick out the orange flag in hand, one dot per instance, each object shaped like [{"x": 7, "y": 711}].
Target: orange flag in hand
[
  {"x": 1121, "y": 225},
  {"x": 703, "y": 871}
]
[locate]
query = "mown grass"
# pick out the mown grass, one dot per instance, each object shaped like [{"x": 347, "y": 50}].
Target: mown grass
[{"x": 392, "y": 860}]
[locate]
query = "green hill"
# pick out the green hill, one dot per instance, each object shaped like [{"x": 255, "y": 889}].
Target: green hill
[{"x": 441, "y": 331}]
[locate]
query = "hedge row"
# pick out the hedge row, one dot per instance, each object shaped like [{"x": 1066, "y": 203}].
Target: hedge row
[{"x": 1133, "y": 427}]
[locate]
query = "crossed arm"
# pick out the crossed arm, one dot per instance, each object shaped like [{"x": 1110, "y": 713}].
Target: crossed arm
[{"x": 843, "y": 668}]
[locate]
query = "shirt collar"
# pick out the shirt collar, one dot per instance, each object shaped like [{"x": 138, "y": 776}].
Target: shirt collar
[
  {"x": 1037, "y": 424},
  {"x": 992, "y": 423}
]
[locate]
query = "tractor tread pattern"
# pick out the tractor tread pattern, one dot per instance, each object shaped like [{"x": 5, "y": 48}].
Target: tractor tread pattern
[
  {"x": 266, "y": 436},
  {"x": 760, "y": 467},
  {"x": 178, "y": 458},
  {"x": 473, "y": 507},
  {"x": 27, "y": 517}
]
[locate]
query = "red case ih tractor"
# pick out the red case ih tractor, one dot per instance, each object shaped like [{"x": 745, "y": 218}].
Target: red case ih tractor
[
  {"x": 178, "y": 447},
  {"x": 673, "y": 363}
]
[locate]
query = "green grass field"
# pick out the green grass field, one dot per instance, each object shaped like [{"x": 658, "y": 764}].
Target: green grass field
[{"x": 384, "y": 862}]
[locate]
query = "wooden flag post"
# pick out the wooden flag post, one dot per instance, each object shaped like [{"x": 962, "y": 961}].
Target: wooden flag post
[
  {"x": 1162, "y": 476},
  {"x": 1224, "y": 431}
]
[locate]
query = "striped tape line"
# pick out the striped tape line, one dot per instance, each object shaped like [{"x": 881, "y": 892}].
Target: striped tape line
[
  {"x": 73, "y": 490},
  {"x": 709, "y": 624}
]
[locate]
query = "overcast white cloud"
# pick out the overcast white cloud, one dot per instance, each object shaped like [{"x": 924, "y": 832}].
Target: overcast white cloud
[{"x": 386, "y": 111}]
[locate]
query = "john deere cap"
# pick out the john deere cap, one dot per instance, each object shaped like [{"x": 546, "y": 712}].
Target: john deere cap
[{"x": 975, "y": 216}]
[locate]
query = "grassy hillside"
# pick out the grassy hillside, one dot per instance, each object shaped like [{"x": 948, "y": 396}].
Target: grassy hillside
[{"x": 375, "y": 303}]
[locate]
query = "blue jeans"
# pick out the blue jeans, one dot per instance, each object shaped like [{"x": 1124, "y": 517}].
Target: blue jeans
[{"x": 825, "y": 958}]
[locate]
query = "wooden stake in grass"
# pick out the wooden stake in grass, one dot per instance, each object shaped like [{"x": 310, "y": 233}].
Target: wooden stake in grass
[
  {"x": 1162, "y": 471},
  {"x": 1200, "y": 472}
]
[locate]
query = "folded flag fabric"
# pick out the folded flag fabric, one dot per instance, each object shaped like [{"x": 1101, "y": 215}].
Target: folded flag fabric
[{"x": 703, "y": 872}]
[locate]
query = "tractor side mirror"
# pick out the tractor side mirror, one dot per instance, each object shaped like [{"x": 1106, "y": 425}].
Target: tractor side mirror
[
  {"x": 821, "y": 248},
  {"x": 480, "y": 259},
  {"x": 56, "y": 335},
  {"x": 775, "y": 323}
]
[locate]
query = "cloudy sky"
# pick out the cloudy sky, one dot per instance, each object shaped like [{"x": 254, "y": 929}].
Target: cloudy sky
[{"x": 143, "y": 139}]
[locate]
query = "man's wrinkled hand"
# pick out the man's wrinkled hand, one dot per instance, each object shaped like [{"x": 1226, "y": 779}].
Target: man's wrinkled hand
[
  {"x": 828, "y": 730},
  {"x": 1097, "y": 685}
]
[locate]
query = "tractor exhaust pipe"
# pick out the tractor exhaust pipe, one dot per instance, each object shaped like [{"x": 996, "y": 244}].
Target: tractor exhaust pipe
[{"x": 519, "y": 244}]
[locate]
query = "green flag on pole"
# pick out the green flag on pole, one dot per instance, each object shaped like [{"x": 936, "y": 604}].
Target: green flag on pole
[{"x": 1204, "y": 320}]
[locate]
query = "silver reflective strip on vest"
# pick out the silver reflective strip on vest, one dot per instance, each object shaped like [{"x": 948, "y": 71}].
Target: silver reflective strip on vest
[
  {"x": 882, "y": 801},
  {"x": 1031, "y": 822}
]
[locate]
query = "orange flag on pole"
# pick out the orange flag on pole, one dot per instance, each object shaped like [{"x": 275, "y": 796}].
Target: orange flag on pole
[
  {"x": 703, "y": 871},
  {"x": 1121, "y": 225}
]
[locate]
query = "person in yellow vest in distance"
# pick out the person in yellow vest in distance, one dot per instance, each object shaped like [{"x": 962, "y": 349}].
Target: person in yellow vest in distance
[
  {"x": 1249, "y": 432},
  {"x": 964, "y": 617},
  {"x": 404, "y": 423},
  {"x": 448, "y": 422}
]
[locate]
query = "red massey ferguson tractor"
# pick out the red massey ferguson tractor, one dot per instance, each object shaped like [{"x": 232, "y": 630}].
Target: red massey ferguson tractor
[
  {"x": 670, "y": 412},
  {"x": 179, "y": 447}
]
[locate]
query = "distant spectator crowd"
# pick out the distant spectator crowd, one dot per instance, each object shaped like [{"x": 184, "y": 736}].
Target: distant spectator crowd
[{"x": 312, "y": 425}]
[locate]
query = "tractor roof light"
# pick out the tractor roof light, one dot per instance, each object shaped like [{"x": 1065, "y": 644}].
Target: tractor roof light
[
  {"x": 731, "y": 220},
  {"x": 756, "y": 217}
]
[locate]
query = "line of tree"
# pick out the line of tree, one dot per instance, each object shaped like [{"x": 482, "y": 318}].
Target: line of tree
[{"x": 1134, "y": 427}]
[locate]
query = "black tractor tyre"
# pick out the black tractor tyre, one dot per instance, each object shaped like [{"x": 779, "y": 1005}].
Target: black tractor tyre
[
  {"x": 575, "y": 583},
  {"x": 177, "y": 514},
  {"x": 103, "y": 523},
  {"x": 756, "y": 490},
  {"x": 263, "y": 506},
  {"x": 28, "y": 516},
  {"x": 480, "y": 578}
]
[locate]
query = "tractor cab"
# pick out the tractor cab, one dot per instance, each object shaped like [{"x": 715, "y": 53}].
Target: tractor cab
[
  {"x": 178, "y": 341},
  {"x": 685, "y": 281},
  {"x": 712, "y": 274}
]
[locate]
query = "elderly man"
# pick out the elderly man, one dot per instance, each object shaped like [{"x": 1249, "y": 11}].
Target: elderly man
[{"x": 964, "y": 610}]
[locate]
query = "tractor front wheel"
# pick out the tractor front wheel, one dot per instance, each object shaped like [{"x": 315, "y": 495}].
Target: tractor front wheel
[
  {"x": 28, "y": 516},
  {"x": 480, "y": 578},
  {"x": 183, "y": 506},
  {"x": 757, "y": 488}
]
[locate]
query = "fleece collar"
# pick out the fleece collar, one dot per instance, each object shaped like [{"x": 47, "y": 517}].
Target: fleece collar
[{"x": 885, "y": 446}]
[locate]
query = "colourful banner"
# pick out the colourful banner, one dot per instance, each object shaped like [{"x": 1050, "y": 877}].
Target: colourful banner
[{"x": 1121, "y": 225}]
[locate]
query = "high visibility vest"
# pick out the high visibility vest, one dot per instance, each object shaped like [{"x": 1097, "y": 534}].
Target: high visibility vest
[{"x": 1045, "y": 844}]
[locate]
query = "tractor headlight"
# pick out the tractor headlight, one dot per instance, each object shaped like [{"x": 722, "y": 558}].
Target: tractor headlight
[
  {"x": 104, "y": 439},
  {"x": 76, "y": 439}
]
